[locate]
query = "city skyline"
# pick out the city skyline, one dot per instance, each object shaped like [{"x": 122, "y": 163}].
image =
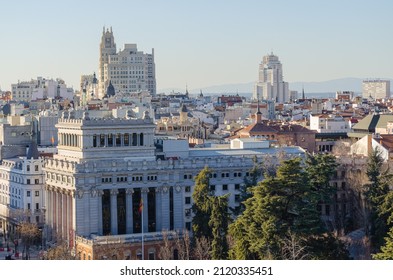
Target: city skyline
[{"x": 202, "y": 43}]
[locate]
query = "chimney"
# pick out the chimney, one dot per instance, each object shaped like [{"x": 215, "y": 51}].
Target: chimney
[{"x": 369, "y": 143}]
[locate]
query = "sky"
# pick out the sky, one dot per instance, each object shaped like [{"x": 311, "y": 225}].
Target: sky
[{"x": 199, "y": 43}]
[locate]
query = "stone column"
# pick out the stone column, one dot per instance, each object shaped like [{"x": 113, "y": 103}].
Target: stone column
[
  {"x": 99, "y": 194},
  {"x": 58, "y": 212},
  {"x": 69, "y": 215},
  {"x": 114, "y": 193},
  {"x": 165, "y": 208},
  {"x": 158, "y": 209},
  {"x": 65, "y": 215},
  {"x": 144, "y": 192},
  {"x": 61, "y": 214},
  {"x": 178, "y": 212},
  {"x": 129, "y": 212}
]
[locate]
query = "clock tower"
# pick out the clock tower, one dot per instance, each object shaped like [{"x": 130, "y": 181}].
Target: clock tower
[{"x": 107, "y": 48}]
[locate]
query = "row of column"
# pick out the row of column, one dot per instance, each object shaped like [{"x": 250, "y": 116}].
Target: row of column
[
  {"x": 118, "y": 139},
  {"x": 168, "y": 210},
  {"x": 72, "y": 140},
  {"x": 60, "y": 209}
]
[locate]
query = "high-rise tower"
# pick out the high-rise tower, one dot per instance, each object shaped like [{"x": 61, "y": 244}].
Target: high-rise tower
[
  {"x": 129, "y": 70},
  {"x": 107, "y": 48},
  {"x": 270, "y": 85}
]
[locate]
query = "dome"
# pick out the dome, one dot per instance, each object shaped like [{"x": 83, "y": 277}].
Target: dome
[
  {"x": 184, "y": 108},
  {"x": 95, "y": 81},
  {"x": 110, "y": 90}
]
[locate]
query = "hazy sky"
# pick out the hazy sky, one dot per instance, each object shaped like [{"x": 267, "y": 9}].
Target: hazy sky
[{"x": 202, "y": 42}]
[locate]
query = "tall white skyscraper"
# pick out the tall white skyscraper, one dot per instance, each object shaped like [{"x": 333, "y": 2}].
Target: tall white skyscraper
[
  {"x": 270, "y": 85},
  {"x": 128, "y": 70},
  {"x": 377, "y": 89}
]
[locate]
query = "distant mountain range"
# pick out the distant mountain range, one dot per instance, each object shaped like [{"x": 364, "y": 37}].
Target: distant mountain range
[{"x": 330, "y": 86}]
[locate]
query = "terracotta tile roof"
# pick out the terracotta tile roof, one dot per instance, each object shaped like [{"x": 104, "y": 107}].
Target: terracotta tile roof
[{"x": 386, "y": 140}]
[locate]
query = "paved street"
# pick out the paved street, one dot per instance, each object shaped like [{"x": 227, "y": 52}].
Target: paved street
[{"x": 34, "y": 251}]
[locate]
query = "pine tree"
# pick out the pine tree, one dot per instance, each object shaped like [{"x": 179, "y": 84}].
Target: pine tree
[
  {"x": 320, "y": 169},
  {"x": 278, "y": 204},
  {"x": 218, "y": 222},
  {"x": 286, "y": 205},
  {"x": 386, "y": 250},
  {"x": 202, "y": 206},
  {"x": 375, "y": 192}
]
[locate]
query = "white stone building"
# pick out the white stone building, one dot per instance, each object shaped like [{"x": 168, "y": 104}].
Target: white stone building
[
  {"x": 377, "y": 89},
  {"x": 129, "y": 70},
  {"x": 41, "y": 88},
  {"x": 105, "y": 166},
  {"x": 22, "y": 194},
  {"x": 324, "y": 123},
  {"x": 270, "y": 85}
]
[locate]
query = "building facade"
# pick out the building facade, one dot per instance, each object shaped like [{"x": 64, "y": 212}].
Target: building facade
[
  {"x": 105, "y": 168},
  {"x": 377, "y": 89},
  {"x": 41, "y": 88},
  {"x": 22, "y": 194},
  {"x": 129, "y": 70},
  {"x": 270, "y": 85}
]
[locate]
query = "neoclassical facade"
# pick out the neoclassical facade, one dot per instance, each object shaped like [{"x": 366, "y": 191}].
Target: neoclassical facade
[
  {"x": 105, "y": 167},
  {"x": 22, "y": 193}
]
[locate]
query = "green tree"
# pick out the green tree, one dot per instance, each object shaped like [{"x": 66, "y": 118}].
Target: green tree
[
  {"x": 387, "y": 249},
  {"x": 279, "y": 204},
  {"x": 218, "y": 222},
  {"x": 202, "y": 206},
  {"x": 255, "y": 174},
  {"x": 281, "y": 220},
  {"x": 320, "y": 169},
  {"x": 375, "y": 192}
]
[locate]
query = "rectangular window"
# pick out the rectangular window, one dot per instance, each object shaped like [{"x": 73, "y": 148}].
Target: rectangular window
[
  {"x": 237, "y": 197},
  {"x": 224, "y": 187},
  {"x": 94, "y": 140},
  {"x": 187, "y": 200},
  {"x": 36, "y": 167},
  {"x": 37, "y": 219},
  {"x": 36, "y": 181},
  {"x": 110, "y": 140},
  {"x": 126, "y": 139},
  {"x": 212, "y": 188},
  {"x": 37, "y": 206},
  {"x": 28, "y": 193},
  {"x": 188, "y": 226},
  {"x": 28, "y": 168},
  {"x": 118, "y": 140},
  {"x": 37, "y": 193},
  {"x": 102, "y": 140},
  {"x": 237, "y": 186},
  {"x": 28, "y": 206},
  {"x": 187, "y": 189},
  {"x": 28, "y": 181}
]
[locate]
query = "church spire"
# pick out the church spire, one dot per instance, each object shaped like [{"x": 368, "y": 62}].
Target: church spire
[
  {"x": 258, "y": 115},
  {"x": 303, "y": 96}
]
